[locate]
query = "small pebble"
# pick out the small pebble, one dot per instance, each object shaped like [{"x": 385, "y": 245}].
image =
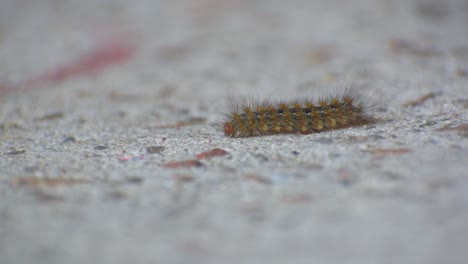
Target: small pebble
[
  {"x": 101, "y": 147},
  {"x": 134, "y": 179},
  {"x": 16, "y": 152},
  {"x": 69, "y": 140},
  {"x": 183, "y": 164},
  {"x": 155, "y": 149}
]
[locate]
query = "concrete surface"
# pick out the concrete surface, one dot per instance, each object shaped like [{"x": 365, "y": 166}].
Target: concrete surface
[{"x": 101, "y": 101}]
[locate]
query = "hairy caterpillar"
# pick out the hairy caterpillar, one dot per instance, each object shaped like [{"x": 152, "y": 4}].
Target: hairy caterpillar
[{"x": 250, "y": 119}]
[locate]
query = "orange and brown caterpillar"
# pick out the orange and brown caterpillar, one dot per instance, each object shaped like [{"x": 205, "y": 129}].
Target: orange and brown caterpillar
[{"x": 298, "y": 117}]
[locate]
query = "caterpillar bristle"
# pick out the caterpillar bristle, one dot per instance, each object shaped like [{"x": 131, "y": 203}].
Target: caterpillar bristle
[{"x": 298, "y": 116}]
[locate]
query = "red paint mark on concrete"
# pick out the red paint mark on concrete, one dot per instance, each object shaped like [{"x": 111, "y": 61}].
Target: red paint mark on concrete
[
  {"x": 5, "y": 87},
  {"x": 102, "y": 57},
  {"x": 127, "y": 158},
  {"x": 212, "y": 153},
  {"x": 196, "y": 163},
  {"x": 108, "y": 54}
]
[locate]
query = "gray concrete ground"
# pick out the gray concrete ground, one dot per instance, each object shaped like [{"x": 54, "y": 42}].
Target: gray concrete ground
[{"x": 109, "y": 111}]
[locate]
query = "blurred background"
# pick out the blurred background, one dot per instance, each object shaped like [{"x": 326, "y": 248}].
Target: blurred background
[{"x": 226, "y": 47}]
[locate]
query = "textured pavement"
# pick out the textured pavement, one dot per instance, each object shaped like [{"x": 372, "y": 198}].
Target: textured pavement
[{"x": 111, "y": 149}]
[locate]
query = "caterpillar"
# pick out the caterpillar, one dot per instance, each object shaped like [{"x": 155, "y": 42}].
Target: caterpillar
[{"x": 302, "y": 116}]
